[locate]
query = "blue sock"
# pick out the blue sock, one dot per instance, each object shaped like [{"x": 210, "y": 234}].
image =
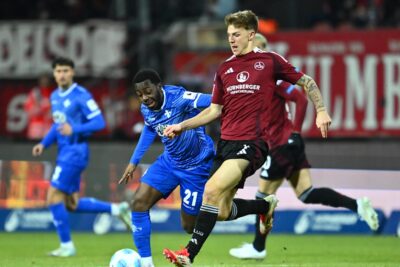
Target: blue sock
[
  {"x": 141, "y": 232},
  {"x": 60, "y": 219},
  {"x": 89, "y": 204}
]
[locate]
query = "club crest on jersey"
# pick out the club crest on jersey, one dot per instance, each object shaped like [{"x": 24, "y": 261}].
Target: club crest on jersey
[
  {"x": 242, "y": 76},
  {"x": 168, "y": 113},
  {"x": 59, "y": 117},
  {"x": 259, "y": 65}
]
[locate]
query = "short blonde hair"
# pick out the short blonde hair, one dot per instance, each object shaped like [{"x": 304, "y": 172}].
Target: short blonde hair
[
  {"x": 260, "y": 41},
  {"x": 242, "y": 19}
]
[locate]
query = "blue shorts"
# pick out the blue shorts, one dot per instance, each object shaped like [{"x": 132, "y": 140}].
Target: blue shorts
[
  {"x": 164, "y": 177},
  {"x": 67, "y": 178}
]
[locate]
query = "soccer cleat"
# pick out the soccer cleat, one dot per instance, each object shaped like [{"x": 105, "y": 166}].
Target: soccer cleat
[
  {"x": 367, "y": 213},
  {"x": 180, "y": 258},
  {"x": 125, "y": 214},
  {"x": 63, "y": 252},
  {"x": 247, "y": 251},
  {"x": 266, "y": 220}
]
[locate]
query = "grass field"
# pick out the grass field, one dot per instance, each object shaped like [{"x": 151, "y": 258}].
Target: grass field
[{"x": 25, "y": 250}]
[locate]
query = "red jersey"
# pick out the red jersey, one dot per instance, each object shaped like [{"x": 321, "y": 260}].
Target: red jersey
[
  {"x": 245, "y": 85},
  {"x": 280, "y": 122}
]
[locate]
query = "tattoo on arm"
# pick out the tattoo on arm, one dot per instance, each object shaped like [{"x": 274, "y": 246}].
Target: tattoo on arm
[{"x": 313, "y": 92}]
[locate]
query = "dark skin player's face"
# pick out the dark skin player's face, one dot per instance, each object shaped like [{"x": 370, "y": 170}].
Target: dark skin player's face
[{"x": 150, "y": 94}]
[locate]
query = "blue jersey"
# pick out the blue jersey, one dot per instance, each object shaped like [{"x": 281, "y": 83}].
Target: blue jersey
[
  {"x": 190, "y": 149},
  {"x": 76, "y": 107}
]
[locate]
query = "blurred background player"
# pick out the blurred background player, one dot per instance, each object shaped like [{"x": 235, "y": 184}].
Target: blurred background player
[
  {"x": 38, "y": 108},
  {"x": 287, "y": 159},
  {"x": 186, "y": 161},
  {"x": 243, "y": 87},
  {"x": 76, "y": 116}
]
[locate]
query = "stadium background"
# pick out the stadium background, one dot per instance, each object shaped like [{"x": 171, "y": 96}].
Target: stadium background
[{"x": 351, "y": 48}]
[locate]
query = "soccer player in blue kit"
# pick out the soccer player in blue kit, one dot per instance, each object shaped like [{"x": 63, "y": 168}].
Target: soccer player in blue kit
[
  {"x": 186, "y": 160},
  {"x": 76, "y": 116}
]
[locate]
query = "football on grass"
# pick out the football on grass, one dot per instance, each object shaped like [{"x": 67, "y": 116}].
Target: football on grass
[{"x": 125, "y": 258}]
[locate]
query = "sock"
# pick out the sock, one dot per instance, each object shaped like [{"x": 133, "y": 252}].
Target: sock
[
  {"x": 60, "y": 220},
  {"x": 328, "y": 197},
  {"x": 141, "y": 232},
  {"x": 147, "y": 261},
  {"x": 243, "y": 207},
  {"x": 89, "y": 204},
  {"x": 204, "y": 224},
  {"x": 259, "y": 239}
]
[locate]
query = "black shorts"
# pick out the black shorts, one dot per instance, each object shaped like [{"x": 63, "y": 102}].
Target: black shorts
[
  {"x": 254, "y": 151},
  {"x": 283, "y": 161}
]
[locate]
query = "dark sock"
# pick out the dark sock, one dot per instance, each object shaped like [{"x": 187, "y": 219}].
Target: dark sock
[
  {"x": 328, "y": 197},
  {"x": 259, "y": 239},
  {"x": 243, "y": 207},
  {"x": 204, "y": 224}
]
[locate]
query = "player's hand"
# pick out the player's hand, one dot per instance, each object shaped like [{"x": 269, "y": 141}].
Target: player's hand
[
  {"x": 172, "y": 131},
  {"x": 323, "y": 122},
  {"x": 65, "y": 129},
  {"x": 296, "y": 141},
  {"x": 128, "y": 174},
  {"x": 37, "y": 150}
]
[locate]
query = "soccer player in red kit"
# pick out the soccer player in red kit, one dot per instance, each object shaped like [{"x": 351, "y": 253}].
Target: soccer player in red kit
[
  {"x": 243, "y": 88},
  {"x": 287, "y": 159}
]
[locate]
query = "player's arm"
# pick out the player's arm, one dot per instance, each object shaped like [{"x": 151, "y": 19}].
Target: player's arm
[
  {"x": 204, "y": 117},
  {"x": 49, "y": 139},
  {"x": 95, "y": 120},
  {"x": 145, "y": 140},
  {"x": 323, "y": 119}
]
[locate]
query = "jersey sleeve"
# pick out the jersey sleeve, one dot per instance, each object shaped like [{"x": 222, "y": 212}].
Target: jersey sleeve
[
  {"x": 284, "y": 70},
  {"x": 92, "y": 112},
  {"x": 197, "y": 100},
  {"x": 146, "y": 139},
  {"x": 290, "y": 93},
  {"x": 218, "y": 91},
  {"x": 50, "y": 137}
]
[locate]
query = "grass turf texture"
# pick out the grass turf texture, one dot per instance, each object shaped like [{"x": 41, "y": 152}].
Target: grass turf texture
[{"x": 29, "y": 249}]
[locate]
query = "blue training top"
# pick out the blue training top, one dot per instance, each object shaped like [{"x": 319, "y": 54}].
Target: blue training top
[
  {"x": 192, "y": 147},
  {"x": 77, "y": 107}
]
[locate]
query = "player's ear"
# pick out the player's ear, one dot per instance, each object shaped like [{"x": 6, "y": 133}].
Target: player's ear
[{"x": 252, "y": 34}]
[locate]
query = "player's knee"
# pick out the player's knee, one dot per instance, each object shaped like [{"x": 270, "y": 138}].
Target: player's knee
[
  {"x": 188, "y": 227},
  {"x": 71, "y": 206},
  {"x": 303, "y": 196},
  {"x": 211, "y": 195},
  {"x": 140, "y": 204}
]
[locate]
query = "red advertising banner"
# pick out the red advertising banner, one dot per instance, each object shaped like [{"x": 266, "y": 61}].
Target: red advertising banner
[{"x": 358, "y": 73}]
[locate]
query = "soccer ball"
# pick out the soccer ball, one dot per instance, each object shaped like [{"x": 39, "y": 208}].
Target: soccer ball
[{"x": 125, "y": 258}]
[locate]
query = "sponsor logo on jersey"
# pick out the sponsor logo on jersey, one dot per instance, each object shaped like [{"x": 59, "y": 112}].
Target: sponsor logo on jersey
[
  {"x": 242, "y": 76},
  {"x": 160, "y": 129},
  {"x": 59, "y": 117},
  {"x": 259, "y": 65}
]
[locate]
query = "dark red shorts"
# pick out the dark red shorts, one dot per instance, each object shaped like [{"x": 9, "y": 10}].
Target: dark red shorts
[
  {"x": 254, "y": 151},
  {"x": 283, "y": 161}
]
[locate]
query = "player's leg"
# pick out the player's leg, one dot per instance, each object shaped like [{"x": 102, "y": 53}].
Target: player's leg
[
  {"x": 226, "y": 177},
  {"x": 256, "y": 250},
  {"x": 158, "y": 182},
  {"x": 301, "y": 183},
  {"x": 93, "y": 205},
  {"x": 64, "y": 182}
]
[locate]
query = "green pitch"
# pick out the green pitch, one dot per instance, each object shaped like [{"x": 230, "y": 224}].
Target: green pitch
[{"x": 28, "y": 250}]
